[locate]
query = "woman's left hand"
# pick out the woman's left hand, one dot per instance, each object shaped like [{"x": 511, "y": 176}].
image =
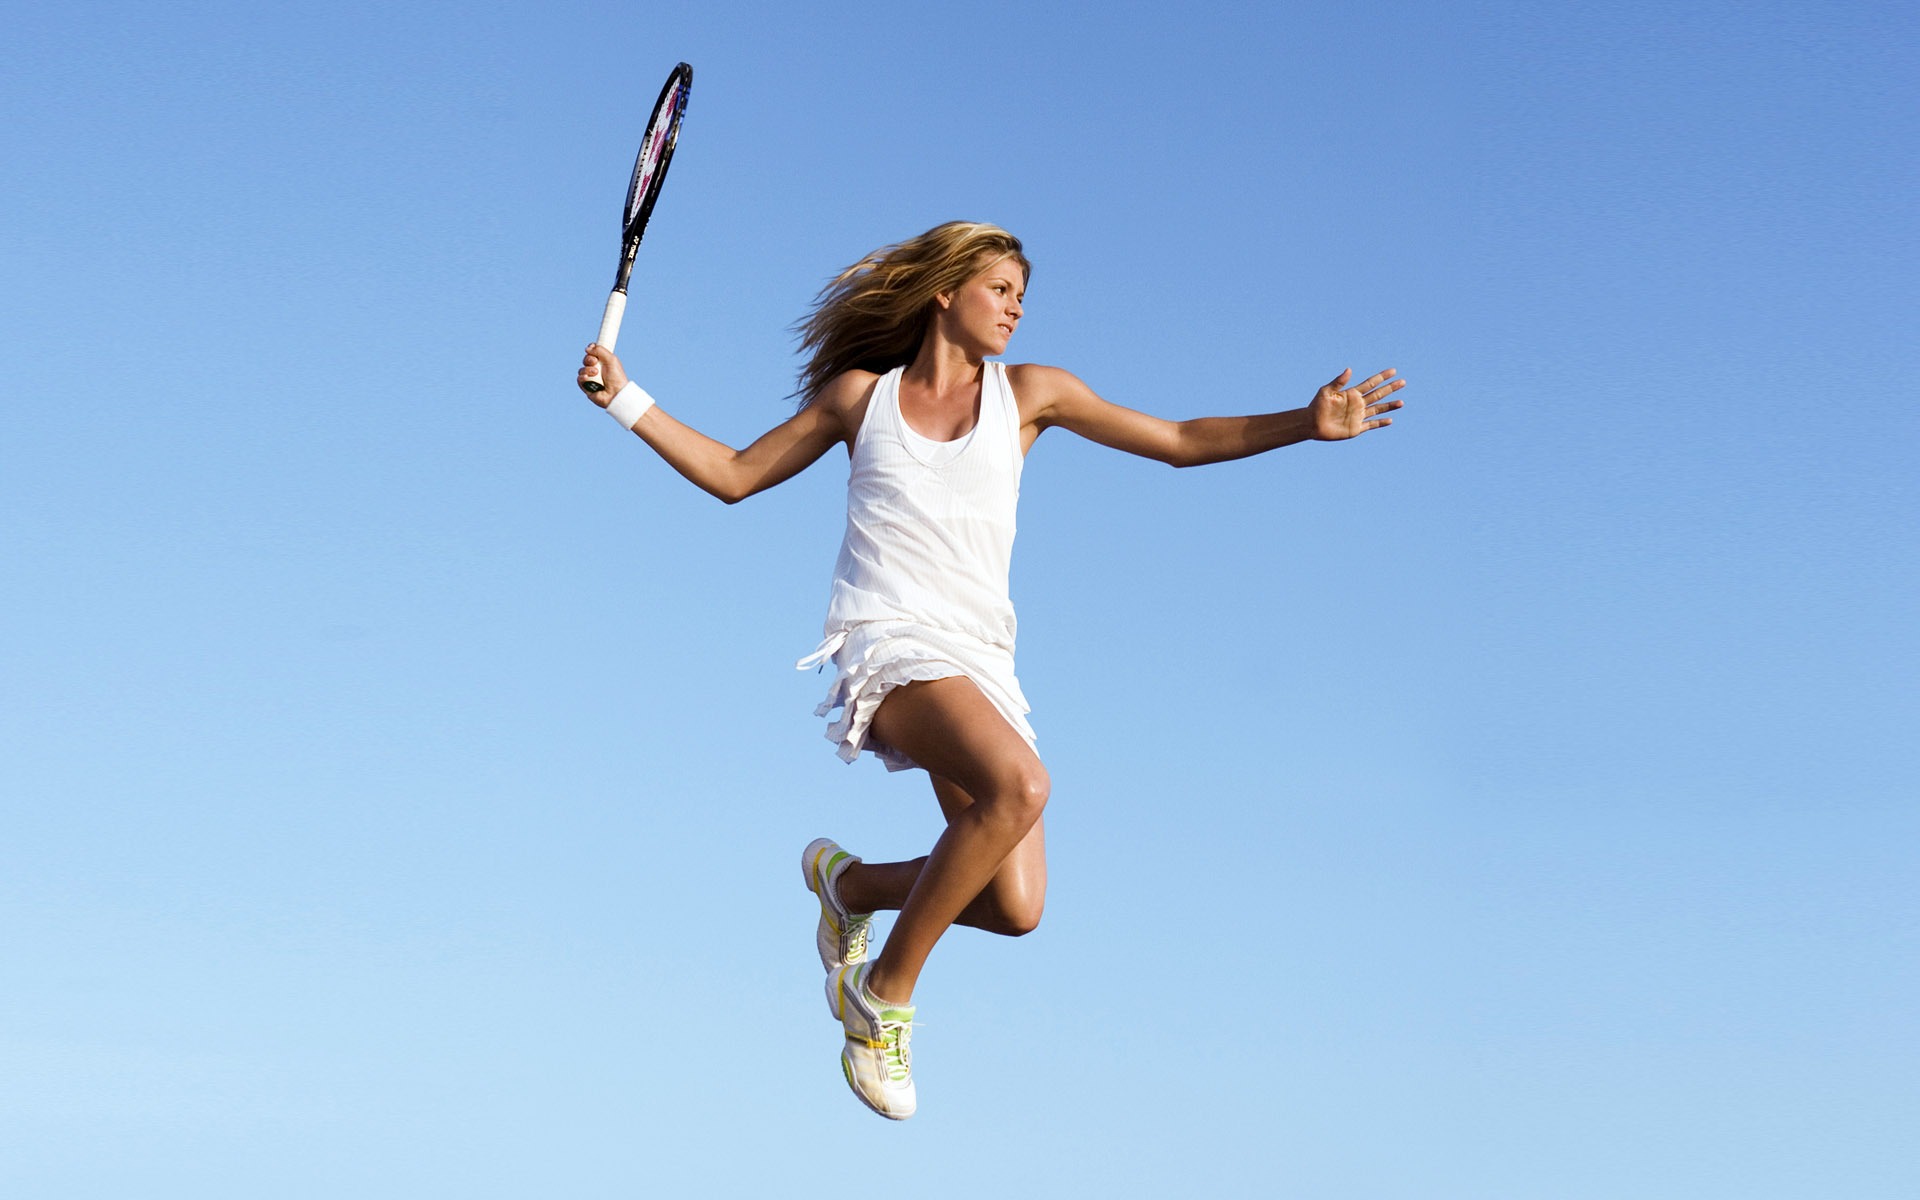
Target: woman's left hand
[{"x": 1340, "y": 412}]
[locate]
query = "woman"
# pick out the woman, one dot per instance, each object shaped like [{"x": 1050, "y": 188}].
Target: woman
[{"x": 919, "y": 625}]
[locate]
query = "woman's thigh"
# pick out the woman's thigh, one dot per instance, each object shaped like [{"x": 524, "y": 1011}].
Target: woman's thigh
[
  {"x": 977, "y": 760},
  {"x": 949, "y": 727}
]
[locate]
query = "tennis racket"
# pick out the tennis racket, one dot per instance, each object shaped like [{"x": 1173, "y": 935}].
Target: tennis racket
[{"x": 649, "y": 172}]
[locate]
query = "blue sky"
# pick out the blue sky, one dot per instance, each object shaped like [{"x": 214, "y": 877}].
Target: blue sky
[{"x": 403, "y": 770}]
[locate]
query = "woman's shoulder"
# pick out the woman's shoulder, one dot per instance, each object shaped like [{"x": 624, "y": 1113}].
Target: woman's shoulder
[
  {"x": 1039, "y": 375},
  {"x": 851, "y": 386},
  {"x": 846, "y": 396},
  {"x": 1037, "y": 384}
]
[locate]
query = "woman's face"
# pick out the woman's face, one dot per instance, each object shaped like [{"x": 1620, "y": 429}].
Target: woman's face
[{"x": 986, "y": 309}]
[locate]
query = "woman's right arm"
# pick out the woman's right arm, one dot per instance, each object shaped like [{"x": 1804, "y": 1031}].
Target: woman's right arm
[{"x": 716, "y": 468}]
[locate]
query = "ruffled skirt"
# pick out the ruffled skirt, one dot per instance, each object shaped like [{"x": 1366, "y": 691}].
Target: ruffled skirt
[{"x": 874, "y": 657}]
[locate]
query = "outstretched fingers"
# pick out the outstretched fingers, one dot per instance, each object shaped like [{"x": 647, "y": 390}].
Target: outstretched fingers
[
  {"x": 1375, "y": 392},
  {"x": 1379, "y": 383}
]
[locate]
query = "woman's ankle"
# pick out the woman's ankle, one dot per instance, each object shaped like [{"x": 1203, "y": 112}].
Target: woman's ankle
[{"x": 886, "y": 989}]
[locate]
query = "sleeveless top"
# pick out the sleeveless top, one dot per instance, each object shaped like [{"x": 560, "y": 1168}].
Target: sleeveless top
[{"x": 931, "y": 541}]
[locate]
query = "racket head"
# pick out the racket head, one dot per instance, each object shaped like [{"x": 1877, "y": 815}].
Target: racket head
[{"x": 656, "y": 152}]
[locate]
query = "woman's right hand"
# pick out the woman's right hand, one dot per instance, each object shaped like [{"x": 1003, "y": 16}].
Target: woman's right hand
[{"x": 602, "y": 366}]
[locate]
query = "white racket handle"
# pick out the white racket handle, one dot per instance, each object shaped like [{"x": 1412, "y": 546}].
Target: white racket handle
[
  {"x": 610, "y": 320},
  {"x": 609, "y": 334}
]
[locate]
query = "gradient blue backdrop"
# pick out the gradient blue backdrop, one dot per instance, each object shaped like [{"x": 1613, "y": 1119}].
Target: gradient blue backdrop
[{"x": 403, "y": 773}]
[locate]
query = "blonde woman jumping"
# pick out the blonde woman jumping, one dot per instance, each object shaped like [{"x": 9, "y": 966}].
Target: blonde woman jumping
[{"x": 919, "y": 625}]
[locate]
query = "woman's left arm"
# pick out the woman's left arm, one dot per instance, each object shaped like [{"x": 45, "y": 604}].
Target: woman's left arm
[{"x": 1337, "y": 412}]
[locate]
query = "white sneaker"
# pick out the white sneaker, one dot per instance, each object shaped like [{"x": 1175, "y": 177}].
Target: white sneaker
[
  {"x": 877, "y": 1061},
  {"x": 841, "y": 936}
]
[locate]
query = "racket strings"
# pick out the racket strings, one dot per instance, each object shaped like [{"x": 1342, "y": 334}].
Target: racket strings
[{"x": 654, "y": 151}]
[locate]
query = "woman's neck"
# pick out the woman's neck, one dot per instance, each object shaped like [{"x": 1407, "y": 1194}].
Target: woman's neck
[{"x": 944, "y": 366}]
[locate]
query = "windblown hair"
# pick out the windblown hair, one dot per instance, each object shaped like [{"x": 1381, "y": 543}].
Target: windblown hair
[{"x": 875, "y": 314}]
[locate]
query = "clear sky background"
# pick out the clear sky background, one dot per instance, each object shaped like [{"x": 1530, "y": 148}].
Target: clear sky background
[{"x": 403, "y": 771}]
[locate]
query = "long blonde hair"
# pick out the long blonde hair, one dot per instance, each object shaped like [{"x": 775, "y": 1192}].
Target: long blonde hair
[{"x": 875, "y": 314}]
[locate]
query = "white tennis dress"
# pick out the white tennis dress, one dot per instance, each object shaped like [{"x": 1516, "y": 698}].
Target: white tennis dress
[{"x": 920, "y": 589}]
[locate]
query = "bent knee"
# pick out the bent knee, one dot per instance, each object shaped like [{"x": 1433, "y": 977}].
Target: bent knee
[
  {"x": 1024, "y": 794},
  {"x": 1018, "y": 900},
  {"x": 1020, "y": 921}
]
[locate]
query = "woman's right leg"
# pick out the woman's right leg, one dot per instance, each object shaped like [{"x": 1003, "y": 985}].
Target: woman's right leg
[
  {"x": 1010, "y": 905},
  {"x": 949, "y": 727}
]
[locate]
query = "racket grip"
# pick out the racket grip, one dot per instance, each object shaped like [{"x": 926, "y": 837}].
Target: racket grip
[{"x": 609, "y": 334}]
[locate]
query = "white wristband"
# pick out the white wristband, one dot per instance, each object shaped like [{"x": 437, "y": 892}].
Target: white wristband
[{"x": 629, "y": 404}]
